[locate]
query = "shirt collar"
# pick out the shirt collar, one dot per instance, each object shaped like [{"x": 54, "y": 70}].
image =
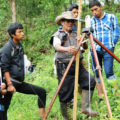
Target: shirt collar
[
  {"x": 60, "y": 30},
  {"x": 13, "y": 44},
  {"x": 102, "y": 17}
]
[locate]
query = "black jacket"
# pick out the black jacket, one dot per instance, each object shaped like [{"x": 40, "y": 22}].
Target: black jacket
[{"x": 12, "y": 60}]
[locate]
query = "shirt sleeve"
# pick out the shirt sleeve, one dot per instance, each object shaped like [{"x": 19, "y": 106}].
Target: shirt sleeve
[
  {"x": 115, "y": 30},
  {"x": 5, "y": 59},
  {"x": 56, "y": 41},
  {"x": 92, "y": 25}
]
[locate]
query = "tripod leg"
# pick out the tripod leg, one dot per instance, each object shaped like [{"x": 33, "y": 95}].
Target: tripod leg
[{"x": 100, "y": 76}]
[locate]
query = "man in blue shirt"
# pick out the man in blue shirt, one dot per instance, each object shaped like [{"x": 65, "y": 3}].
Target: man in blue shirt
[{"x": 106, "y": 30}]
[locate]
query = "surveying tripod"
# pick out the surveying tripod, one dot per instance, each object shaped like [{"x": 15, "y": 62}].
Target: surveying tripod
[{"x": 87, "y": 32}]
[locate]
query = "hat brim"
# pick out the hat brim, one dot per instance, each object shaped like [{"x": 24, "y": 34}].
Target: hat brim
[{"x": 59, "y": 18}]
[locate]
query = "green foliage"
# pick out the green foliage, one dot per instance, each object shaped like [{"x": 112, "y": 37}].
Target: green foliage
[
  {"x": 38, "y": 19},
  {"x": 4, "y": 20}
]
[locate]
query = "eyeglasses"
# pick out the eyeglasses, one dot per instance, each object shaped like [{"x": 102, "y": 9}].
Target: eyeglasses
[{"x": 70, "y": 21}]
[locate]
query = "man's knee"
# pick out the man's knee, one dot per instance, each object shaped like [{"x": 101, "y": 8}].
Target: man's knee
[{"x": 42, "y": 93}]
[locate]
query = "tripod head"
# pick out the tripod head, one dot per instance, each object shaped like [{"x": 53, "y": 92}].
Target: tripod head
[{"x": 87, "y": 31}]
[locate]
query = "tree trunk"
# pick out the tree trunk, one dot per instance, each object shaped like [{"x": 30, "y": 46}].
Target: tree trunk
[
  {"x": 64, "y": 8},
  {"x": 71, "y": 2},
  {"x": 13, "y": 10},
  {"x": 112, "y": 2},
  {"x": 107, "y": 2}
]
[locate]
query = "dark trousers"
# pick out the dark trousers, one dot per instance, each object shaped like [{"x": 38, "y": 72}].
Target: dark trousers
[
  {"x": 67, "y": 89},
  {"x": 3, "y": 115},
  {"x": 25, "y": 88}
]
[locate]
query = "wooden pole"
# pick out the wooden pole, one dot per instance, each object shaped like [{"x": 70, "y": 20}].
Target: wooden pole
[
  {"x": 77, "y": 63},
  {"x": 100, "y": 76},
  {"x": 106, "y": 49},
  {"x": 62, "y": 80},
  {"x": 13, "y": 10}
]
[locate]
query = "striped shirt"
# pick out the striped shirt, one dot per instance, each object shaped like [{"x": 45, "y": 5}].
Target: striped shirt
[{"x": 106, "y": 30}]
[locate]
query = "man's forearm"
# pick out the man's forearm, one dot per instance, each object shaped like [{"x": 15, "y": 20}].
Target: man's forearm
[
  {"x": 61, "y": 48},
  {"x": 7, "y": 78},
  {"x": 10, "y": 87}
]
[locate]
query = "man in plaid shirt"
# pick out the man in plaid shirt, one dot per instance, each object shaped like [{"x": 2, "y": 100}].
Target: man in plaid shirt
[{"x": 106, "y": 30}]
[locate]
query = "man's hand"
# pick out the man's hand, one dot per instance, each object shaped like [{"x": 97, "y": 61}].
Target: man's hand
[
  {"x": 83, "y": 45},
  {"x": 3, "y": 86},
  {"x": 73, "y": 50},
  {"x": 78, "y": 38},
  {"x": 3, "y": 90},
  {"x": 11, "y": 88}
]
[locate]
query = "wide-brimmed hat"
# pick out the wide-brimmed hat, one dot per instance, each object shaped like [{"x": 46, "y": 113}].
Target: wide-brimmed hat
[{"x": 68, "y": 15}]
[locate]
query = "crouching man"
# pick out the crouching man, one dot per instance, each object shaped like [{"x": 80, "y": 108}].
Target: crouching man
[{"x": 12, "y": 59}]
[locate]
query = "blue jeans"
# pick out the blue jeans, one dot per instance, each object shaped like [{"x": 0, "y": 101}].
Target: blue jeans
[{"x": 107, "y": 61}]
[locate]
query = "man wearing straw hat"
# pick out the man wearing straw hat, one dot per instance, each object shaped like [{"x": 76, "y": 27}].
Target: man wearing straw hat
[{"x": 65, "y": 44}]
